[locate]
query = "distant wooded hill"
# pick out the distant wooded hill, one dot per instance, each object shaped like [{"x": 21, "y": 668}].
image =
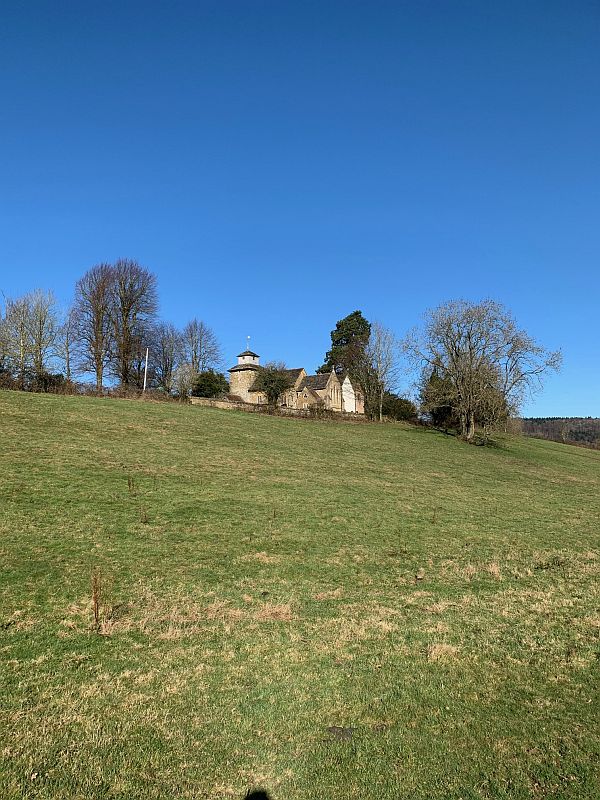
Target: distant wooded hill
[{"x": 575, "y": 430}]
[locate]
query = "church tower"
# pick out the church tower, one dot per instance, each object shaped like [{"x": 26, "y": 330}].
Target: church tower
[{"x": 243, "y": 375}]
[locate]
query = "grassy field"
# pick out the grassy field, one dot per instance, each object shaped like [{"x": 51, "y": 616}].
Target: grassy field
[{"x": 323, "y": 610}]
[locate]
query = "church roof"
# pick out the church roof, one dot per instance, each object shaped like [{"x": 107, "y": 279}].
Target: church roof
[
  {"x": 248, "y": 353},
  {"x": 293, "y": 374},
  {"x": 242, "y": 367},
  {"x": 318, "y": 381}
]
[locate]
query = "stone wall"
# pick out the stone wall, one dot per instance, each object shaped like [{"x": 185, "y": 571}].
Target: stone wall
[
  {"x": 211, "y": 403},
  {"x": 281, "y": 411},
  {"x": 240, "y": 381}
]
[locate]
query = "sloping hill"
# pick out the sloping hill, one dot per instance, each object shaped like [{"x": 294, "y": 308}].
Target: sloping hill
[
  {"x": 325, "y": 610},
  {"x": 577, "y": 430}
]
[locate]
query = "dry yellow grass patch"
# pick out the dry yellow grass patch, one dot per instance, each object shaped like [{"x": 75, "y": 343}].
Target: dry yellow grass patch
[
  {"x": 166, "y": 619},
  {"x": 334, "y": 594},
  {"x": 224, "y": 790},
  {"x": 439, "y": 607},
  {"x": 593, "y": 620},
  {"x": 173, "y": 633},
  {"x": 469, "y": 571},
  {"x": 416, "y": 598},
  {"x": 441, "y": 652},
  {"x": 274, "y": 612},
  {"x": 494, "y": 570},
  {"x": 346, "y": 555},
  {"x": 439, "y": 627},
  {"x": 357, "y": 623},
  {"x": 587, "y": 568},
  {"x": 222, "y": 610}
]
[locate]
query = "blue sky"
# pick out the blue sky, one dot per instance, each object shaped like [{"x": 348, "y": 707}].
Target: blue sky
[{"x": 280, "y": 164}]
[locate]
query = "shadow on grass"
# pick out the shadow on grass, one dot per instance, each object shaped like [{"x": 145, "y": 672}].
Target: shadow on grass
[
  {"x": 497, "y": 444},
  {"x": 497, "y": 441},
  {"x": 257, "y": 794}
]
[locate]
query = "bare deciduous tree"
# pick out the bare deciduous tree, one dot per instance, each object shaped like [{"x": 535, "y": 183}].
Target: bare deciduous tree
[
  {"x": 17, "y": 337},
  {"x": 65, "y": 342},
  {"x": 201, "y": 347},
  {"x": 92, "y": 321},
  {"x": 132, "y": 308},
  {"x": 43, "y": 329},
  {"x": 376, "y": 366},
  {"x": 183, "y": 380},
  {"x": 382, "y": 353},
  {"x": 166, "y": 354},
  {"x": 3, "y": 345},
  {"x": 479, "y": 350}
]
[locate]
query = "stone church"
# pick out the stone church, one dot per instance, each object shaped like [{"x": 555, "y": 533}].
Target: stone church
[{"x": 326, "y": 390}]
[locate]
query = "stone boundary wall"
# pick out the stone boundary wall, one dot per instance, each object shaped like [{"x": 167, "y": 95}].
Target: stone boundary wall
[
  {"x": 211, "y": 403},
  {"x": 281, "y": 411}
]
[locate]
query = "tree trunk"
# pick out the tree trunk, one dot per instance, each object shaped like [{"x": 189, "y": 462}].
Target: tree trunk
[
  {"x": 68, "y": 363},
  {"x": 470, "y": 425},
  {"x": 467, "y": 425}
]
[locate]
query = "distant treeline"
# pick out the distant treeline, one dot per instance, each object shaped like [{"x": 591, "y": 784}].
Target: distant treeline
[{"x": 574, "y": 430}]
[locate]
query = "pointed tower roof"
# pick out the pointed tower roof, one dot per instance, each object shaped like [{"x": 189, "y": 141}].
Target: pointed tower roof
[{"x": 246, "y": 360}]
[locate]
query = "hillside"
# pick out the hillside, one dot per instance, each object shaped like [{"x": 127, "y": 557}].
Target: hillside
[
  {"x": 576, "y": 430},
  {"x": 324, "y": 610}
]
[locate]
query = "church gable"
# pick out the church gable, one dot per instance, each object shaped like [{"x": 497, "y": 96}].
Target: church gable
[{"x": 327, "y": 387}]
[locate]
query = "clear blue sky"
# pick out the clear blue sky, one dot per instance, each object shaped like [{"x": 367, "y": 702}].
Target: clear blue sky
[{"x": 280, "y": 164}]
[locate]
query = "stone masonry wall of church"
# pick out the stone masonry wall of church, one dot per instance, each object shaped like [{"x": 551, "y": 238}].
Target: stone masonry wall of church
[{"x": 240, "y": 382}]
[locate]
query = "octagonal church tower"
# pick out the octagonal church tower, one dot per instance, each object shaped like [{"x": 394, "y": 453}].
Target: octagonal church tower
[{"x": 242, "y": 376}]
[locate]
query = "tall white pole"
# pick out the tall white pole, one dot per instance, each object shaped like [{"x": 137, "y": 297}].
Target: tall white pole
[{"x": 145, "y": 370}]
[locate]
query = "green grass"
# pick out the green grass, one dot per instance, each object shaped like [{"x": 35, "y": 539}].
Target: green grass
[{"x": 437, "y": 602}]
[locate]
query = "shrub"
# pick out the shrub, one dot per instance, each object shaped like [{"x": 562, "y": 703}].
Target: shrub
[
  {"x": 209, "y": 384},
  {"x": 400, "y": 408}
]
